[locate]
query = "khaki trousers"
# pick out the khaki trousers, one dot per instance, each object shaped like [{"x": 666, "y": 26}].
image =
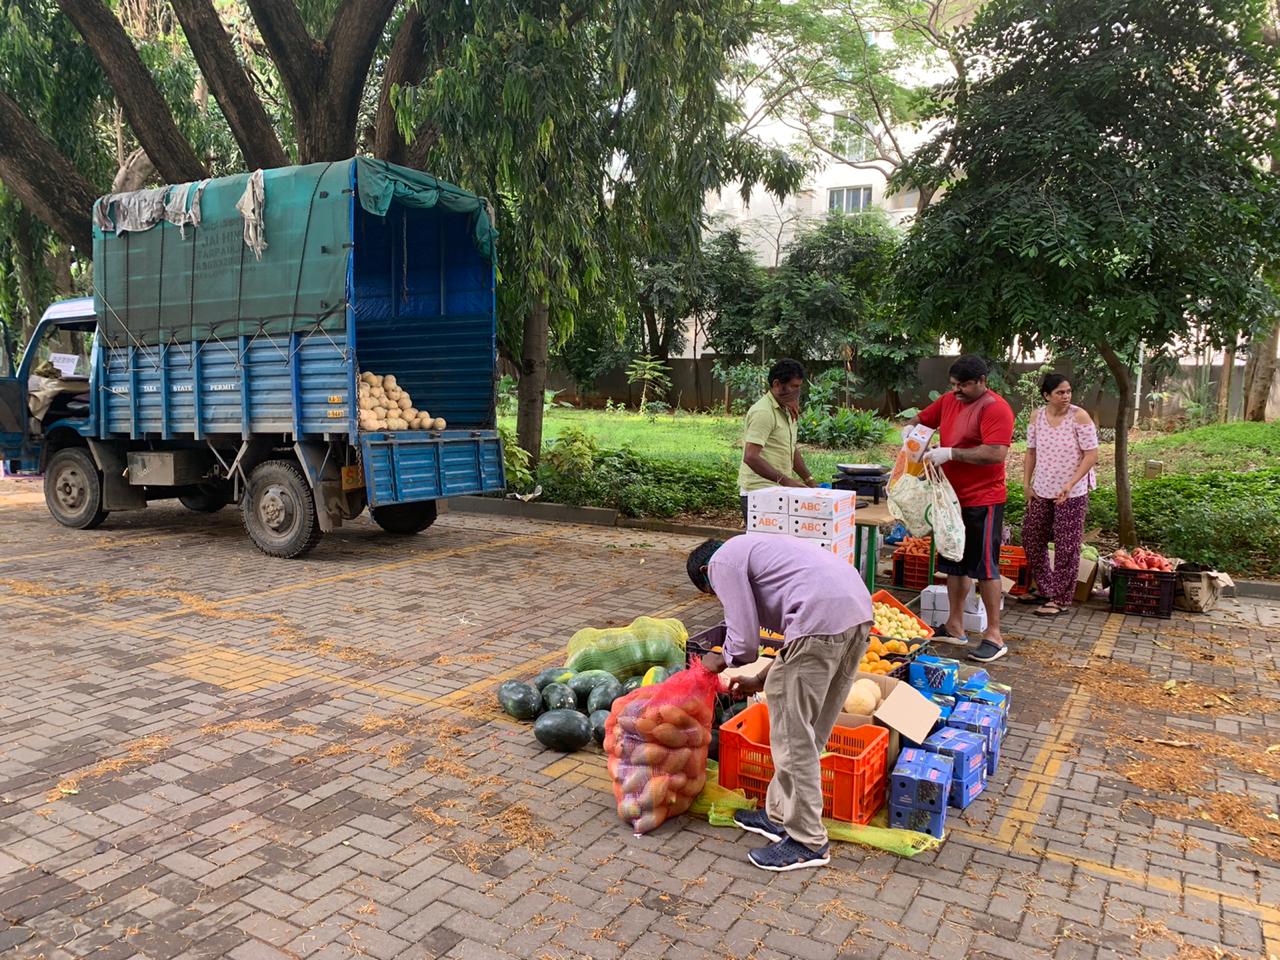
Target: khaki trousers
[{"x": 806, "y": 690}]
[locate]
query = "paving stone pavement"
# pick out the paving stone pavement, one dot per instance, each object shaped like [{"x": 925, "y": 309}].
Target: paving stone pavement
[{"x": 208, "y": 753}]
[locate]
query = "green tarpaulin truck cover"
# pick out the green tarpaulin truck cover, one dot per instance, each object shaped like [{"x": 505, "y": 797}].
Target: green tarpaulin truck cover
[{"x": 256, "y": 253}]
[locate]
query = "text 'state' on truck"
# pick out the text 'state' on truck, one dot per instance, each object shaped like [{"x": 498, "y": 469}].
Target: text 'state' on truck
[{"x": 221, "y": 356}]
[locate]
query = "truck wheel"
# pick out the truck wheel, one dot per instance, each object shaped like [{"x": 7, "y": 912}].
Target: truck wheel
[
  {"x": 206, "y": 497},
  {"x": 73, "y": 489},
  {"x": 405, "y": 518},
  {"x": 279, "y": 510}
]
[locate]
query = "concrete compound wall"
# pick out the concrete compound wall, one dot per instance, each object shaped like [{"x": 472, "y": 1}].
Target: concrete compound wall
[{"x": 694, "y": 387}]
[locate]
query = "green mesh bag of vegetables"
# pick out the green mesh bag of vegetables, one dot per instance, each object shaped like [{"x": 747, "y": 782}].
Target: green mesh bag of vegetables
[{"x": 631, "y": 650}]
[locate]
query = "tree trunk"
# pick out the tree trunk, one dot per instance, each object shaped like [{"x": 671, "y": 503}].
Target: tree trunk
[
  {"x": 144, "y": 107},
  {"x": 406, "y": 66},
  {"x": 43, "y": 179},
  {"x": 246, "y": 116},
  {"x": 1224, "y": 383},
  {"x": 1126, "y": 528},
  {"x": 533, "y": 380},
  {"x": 134, "y": 173},
  {"x": 1264, "y": 372},
  {"x": 324, "y": 80},
  {"x": 28, "y": 262}
]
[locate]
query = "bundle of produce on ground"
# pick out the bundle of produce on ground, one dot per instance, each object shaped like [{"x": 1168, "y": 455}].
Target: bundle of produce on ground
[
  {"x": 890, "y": 621},
  {"x": 656, "y": 739},
  {"x": 385, "y": 405},
  {"x": 876, "y": 659},
  {"x": 631, "y": 650},
  {"x": 1141, "y": 559}
]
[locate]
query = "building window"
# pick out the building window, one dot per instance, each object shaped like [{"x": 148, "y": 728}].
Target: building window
[{"x": 849, "y": 199}]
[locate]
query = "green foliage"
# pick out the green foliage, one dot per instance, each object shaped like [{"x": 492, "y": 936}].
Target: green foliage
[
  {"x": 746, "y": 381},
  {"x": 1103, "y": 184},
  {"x": 639, "y": 486},
  {"x": 1227, "y": 520},
  {"x": 507, "y": 388},
  {"x": 735, "y": 284},
  {"x": 515, "y": 460},
  {"x": 572, "y": 454},
  {"x": 1027, "y": 390},
  {"x": 652, "y": 375},
  {"x": 842, "y": 427},
  {"x": 1224, "y": 446}
]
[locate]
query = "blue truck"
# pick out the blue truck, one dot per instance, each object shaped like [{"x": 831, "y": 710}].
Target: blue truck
[{"x": 227, "y": 353}]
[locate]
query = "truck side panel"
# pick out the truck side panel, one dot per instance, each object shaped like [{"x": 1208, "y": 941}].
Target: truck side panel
[
  {"x": 406, "y": 467},
  {"x": 296, "y": 385}
]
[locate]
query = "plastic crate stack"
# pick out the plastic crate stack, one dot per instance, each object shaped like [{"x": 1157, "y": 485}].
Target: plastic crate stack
[{"x": 818, "y": 514}]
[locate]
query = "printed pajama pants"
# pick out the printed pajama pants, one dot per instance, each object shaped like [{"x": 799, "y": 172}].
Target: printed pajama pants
[{"x": 1062, "y": 525}]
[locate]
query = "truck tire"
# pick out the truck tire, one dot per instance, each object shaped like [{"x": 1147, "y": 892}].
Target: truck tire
[
  {"x": 73, "y": 489},
  {"x": 279, "y": 510},
  {"x": 404, "y": 519},
  {"x": 206, "y": 498}
]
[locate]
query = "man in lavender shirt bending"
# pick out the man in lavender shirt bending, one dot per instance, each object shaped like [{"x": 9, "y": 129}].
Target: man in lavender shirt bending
[{"x": 820, "y": 605}]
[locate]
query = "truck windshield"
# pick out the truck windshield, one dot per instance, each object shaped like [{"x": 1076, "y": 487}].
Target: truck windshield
[{"x": 62, "y": 353}]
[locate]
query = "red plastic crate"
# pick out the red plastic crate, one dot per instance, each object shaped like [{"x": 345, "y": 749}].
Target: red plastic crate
[
  {"x": 910, "y": 571},
  {"x": 854, "y": 773},
  {"x": 1013, "y": 564},
  {"x": 884, "y": 596}
]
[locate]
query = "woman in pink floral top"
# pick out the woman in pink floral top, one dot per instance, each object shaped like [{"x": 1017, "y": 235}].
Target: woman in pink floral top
[{"x": 1062, "y": 448}]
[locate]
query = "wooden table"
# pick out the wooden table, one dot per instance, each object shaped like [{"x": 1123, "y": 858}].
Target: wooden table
[{"x": 867, "y": 522}]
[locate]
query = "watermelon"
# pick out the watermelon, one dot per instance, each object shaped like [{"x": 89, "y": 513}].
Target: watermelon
[
  {"x": 556, "y": 696},
  {"x": 583, "y": 683},
  {"x": 653, "y": 675},
  {"x": 631, "y": 683},
  {"x": 563, "y": 730},
  {"x": 519, "y": 700},
  {"x": 552, "y": 674},
  {"x": 603, "y": 695},
  {"x": 597, "y": 719}
]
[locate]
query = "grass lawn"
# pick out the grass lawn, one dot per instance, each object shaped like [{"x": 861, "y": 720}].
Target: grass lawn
[{"x": 705, "y": 438}]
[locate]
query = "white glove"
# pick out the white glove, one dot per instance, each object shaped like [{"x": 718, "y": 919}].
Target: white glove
[{"x": 938, "y": 455}]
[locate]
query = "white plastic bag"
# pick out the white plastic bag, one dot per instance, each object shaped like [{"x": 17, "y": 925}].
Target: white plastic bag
[
  {"x": 909, "y": 502},
  {"x": 944, "y": 515},
  {"x": 927, "y": 505}
]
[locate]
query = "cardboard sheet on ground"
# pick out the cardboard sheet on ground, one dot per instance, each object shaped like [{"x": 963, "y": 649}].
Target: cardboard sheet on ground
[{"x": 717, "y": 804}]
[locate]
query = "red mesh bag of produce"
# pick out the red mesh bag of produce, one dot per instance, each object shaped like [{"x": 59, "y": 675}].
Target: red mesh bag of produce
[{"x": 656, "y": 739}]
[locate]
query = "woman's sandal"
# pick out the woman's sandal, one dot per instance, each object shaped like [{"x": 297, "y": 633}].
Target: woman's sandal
[
  {"x": 1050, "y": 609},
  {"x": 1033, "y": 597}
]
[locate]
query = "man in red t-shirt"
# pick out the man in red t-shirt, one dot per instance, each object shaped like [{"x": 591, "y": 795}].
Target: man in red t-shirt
[{"x": 975, "y": 429}]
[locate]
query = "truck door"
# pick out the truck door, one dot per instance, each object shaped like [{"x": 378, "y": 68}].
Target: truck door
[{"x": 13, "y": 401}]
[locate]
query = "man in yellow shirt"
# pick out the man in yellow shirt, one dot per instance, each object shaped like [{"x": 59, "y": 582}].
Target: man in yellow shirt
[{"x": 770, "y": 453}]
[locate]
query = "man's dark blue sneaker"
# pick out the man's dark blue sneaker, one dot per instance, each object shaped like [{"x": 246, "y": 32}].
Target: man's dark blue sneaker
[
  {"x": 788, "y": 854},
  {"x": 988, "y": 651},
  {"x": 757, "y": 821}
]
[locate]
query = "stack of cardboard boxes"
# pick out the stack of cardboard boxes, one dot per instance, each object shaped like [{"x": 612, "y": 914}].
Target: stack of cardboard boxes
[
  {"x": 823, "y": 516},
  {"x": 935, "y": 607}
]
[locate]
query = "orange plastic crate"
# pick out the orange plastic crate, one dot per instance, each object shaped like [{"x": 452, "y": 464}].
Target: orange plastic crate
[
  {"x": 854, "y": 772},
  {"x": 1013, "y": 564},
  {"x": 884, "y": 596},
  {"x": 910, "y": 570}
]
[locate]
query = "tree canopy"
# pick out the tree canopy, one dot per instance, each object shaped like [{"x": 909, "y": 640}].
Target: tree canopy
[{"x": 1104, "y": 183}]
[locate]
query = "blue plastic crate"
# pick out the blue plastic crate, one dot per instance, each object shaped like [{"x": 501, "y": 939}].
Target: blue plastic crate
[
  {"x": 961, "y": 793},
  {"x": 967, "y": 750},
  {"x": 932, "y": 822},
  {"x": 931, "y": 674},
  {"x": 921, "y": 779}
]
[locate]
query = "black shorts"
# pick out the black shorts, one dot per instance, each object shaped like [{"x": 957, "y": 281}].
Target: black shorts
[{"x": 983, "y": 528}]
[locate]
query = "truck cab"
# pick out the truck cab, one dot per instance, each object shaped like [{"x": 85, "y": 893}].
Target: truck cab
[{"x": 45, "y": 392}]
